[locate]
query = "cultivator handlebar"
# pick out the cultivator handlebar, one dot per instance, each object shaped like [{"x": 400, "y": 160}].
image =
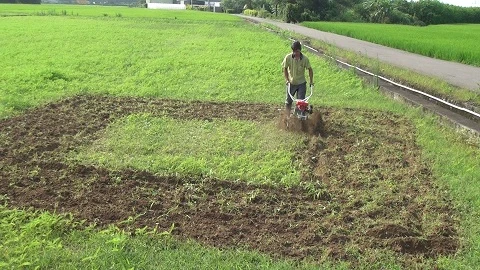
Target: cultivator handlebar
[
  {"x": 305, "y": 99},
  {"x": 302, "y": 108}
]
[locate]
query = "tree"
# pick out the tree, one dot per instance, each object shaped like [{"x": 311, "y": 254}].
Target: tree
[
  {"x": 233, "y": 6},
  {"x": 21, "y": 1},
  {"x": 261, "y": 4},
  {"x": 291, "y": 13},
  {"x": 378, "y": 11},
  {"x": 431, "y": 12},
  {"x": 419, "y": 12}
]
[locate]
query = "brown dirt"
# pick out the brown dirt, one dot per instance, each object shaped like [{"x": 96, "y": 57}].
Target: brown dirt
[
  {"x": 365, "y": 186},
  {"x": 313, "y": 125}
]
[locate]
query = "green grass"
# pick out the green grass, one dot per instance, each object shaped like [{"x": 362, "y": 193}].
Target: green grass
[
  {"x": 202, "y": 60},
  {"x": 457, "y": 166},
  {"x": 449, "y": 42},
  {"x": 109, "y": 11},
  {"x": 41, "y": 240},
  {"x": 199, "y": 56},
  {"x": 231, "y": 149},
  {"x": 182, "y": 60}
]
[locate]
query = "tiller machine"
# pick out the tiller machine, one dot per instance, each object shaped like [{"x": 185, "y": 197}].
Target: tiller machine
[{"x": 302, "y": 109}]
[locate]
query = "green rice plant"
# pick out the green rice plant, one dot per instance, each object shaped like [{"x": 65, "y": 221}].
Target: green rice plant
[{"x": 230, "y": 149}]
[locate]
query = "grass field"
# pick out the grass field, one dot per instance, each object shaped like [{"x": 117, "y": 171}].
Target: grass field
[{"x": 149, "y": 139}]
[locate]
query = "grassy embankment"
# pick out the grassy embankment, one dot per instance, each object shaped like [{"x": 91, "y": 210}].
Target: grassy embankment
[{"x": 181, "y": 57}]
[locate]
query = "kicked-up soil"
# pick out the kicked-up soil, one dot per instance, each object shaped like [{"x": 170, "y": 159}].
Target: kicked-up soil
[{"x": 365, "y": 186}]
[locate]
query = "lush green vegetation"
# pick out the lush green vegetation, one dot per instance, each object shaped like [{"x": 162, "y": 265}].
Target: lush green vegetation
[
  {"x": 431, "y": 85},
  {"x": 108, "y": 11},
  {"x": 457, "y": 166},
  {"x": 224, "y": 149},
  {"x": 198, "y": 56},
  {"x": 21, "y": 1},
  {"x": 172, "y": 63},
  {"x": 449, "y": 42},
  {"x": 189, "y": 59},
  {"x": 32, "y": 240},
  {"x": 422, "y": 12}
]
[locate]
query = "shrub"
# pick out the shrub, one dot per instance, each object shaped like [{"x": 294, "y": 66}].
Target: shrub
[
  {"x": 263, "y": 13},
  {"x": 250, "y": 12},
  {"x": 202, "y": 8}
]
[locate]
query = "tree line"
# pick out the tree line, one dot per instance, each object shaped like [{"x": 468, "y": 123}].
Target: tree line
[
  {"x": 421, "y": 12},
  {"x": 20, "y": 1}
]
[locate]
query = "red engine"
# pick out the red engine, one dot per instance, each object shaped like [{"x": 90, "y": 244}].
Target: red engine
[{"x": 302, "y": 105}]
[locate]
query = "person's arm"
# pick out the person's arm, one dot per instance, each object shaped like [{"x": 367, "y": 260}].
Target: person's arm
[
  {"x": 285, "y": 74},
  {"x": 285, "y": 65}
]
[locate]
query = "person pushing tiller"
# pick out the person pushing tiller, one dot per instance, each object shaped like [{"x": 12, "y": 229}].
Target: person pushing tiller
[{"x": 294, "y": 66}]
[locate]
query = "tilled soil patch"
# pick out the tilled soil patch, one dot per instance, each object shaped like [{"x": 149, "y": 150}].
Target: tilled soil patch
[{"x": 366, "y": 186}]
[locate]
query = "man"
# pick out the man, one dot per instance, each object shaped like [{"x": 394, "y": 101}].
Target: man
[{"x": 294, "y": 66}]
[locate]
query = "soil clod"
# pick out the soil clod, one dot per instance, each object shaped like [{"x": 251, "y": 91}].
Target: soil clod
[{"x": 313, "y": 125}]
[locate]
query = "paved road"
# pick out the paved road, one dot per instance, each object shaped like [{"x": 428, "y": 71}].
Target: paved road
[{"x": 461, "y": 75}]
